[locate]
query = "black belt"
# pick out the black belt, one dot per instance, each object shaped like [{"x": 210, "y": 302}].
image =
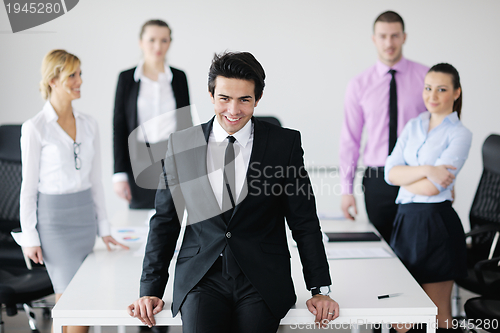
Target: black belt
[{"x": 374, "y": 172}]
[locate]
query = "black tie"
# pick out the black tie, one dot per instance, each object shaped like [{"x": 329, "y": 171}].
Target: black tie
[
  {"x": 393, "y": 112},
  {"x": 230, "y": 268},
  {"x": 228, "y": 197}
]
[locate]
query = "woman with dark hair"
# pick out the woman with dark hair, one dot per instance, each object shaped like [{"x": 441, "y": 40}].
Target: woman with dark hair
[
  {"x": 151, "y": 93},
  {"x": 428, "y": 235}
]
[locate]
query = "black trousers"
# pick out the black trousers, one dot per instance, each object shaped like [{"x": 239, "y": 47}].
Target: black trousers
[
  {"x": 217, "y": 305},
  {"x": 380, "y": 201}
]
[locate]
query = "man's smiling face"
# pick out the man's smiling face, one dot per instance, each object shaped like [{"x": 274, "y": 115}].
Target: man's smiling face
[{"x": 234, "y": 102}]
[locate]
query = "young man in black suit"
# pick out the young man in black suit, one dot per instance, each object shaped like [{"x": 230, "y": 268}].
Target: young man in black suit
[{"x": 238, "y": 178}]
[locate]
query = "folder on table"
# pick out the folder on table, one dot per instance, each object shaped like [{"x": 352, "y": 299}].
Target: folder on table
[{"x": 352, "y": 236}]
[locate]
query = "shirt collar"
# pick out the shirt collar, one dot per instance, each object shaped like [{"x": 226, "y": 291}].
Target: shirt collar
[
  {"x": 400, "y": 66},
  {"x": 139, "y": 75},
  {"x": 453, "y": 117},
  {"x": 51, "y": 114},
  {"x": 426, "y": 116},
  {"x": 242, "y": 136}
]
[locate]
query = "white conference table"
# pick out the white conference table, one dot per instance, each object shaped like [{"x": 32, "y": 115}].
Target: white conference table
[{"x": 107, "y": 282}]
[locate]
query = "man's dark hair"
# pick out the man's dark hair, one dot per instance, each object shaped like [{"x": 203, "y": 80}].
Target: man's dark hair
[
  {"x": 390, "y": 17},
  {"x": 237, "y": 65}
]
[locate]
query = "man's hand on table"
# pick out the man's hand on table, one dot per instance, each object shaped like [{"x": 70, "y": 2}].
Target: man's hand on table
[
  {"x": 324, "y": 308},
  {"x": 348, "y": 201},
  {"x": 145, "y": 308}
]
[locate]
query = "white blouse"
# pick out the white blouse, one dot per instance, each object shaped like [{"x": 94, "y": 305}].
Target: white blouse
[
  {"x": 156, "y": 109},
  {"x": 156, "y": 98},
  {"x": 49, "y": 166}
]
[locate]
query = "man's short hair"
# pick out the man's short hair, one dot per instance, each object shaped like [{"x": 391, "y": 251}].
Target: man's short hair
[
  {"x": 237, "y": 65},
  {"x": 389, "y": 17}
]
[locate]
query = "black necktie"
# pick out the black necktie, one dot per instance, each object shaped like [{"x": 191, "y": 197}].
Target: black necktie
[
  {"x": 230, "y": 268},
  {"x": 393, "y": 112},
  {"x": 228, "y": 193}
]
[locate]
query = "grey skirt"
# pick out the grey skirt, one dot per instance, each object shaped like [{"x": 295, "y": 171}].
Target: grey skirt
[{"x": 67, "y": 226}]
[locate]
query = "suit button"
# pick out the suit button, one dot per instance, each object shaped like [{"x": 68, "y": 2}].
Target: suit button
[{"x": 228, "y": 234}]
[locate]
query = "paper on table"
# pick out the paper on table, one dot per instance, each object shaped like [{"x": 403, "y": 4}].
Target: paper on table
[
  {"x": 358, "y": 253},
  {"x": 325, "y": 215},
  {"x": 138, "y": 235},
  {"x": 140, "y": 251},
  {"x": 130, "y": 234}
]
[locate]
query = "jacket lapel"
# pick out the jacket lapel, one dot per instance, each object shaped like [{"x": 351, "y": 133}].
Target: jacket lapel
[
  {"x": 202, "y": 169},
  {"x": 176, "y": 89},
  {"x": 134, "y": 94},
  {"x": 183, "y": 116},
  {"x": 260, "y": 135}
]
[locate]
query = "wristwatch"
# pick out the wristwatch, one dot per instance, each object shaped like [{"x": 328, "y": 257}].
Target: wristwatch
[{"x": 324, "y": 290}]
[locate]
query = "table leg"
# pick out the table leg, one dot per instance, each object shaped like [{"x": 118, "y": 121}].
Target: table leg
[
  {"x": 355, "y": 328},
  {"x": 121, "y": 329},
  {"x": 455, "y": 302},
  {"x": 386, "y": 328},
  {"x": 57, "y": 325}
]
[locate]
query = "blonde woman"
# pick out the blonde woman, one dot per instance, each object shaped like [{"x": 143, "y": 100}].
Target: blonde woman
[{"x": 62, "y": 198}]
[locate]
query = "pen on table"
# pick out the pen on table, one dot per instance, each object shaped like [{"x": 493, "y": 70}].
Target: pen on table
[{"x": 389, "y": 295}]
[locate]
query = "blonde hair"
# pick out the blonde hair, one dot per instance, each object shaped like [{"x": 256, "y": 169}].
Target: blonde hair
[{"x": 57, "y": 64}]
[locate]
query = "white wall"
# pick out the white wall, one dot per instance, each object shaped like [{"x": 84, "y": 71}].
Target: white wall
[{"x": 309, "y": 51}]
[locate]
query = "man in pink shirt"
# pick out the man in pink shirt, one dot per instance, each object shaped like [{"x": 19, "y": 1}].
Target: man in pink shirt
[{"x": 381, "y": 100}]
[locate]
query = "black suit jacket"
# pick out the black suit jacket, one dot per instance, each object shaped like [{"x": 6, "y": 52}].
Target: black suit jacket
[
  {"x": 257, "y": 226},
  {"x": 125, "y": 113}
]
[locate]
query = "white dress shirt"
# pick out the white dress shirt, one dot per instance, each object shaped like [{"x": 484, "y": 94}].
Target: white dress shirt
[
  {"x": 48, "y": 166},
  {"x": 156, "y": 108},
  {"x": 217, "y": 143},
  {"x": 156, "y": 98}
]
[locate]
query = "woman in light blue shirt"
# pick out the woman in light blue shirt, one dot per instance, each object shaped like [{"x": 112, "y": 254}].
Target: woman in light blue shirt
[{"x": 428, "y": 235}]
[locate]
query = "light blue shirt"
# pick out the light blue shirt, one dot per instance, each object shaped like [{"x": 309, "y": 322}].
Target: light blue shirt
[{"x": 448, "y": 143}]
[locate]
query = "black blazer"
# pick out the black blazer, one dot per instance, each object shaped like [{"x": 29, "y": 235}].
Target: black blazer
[
  {"x": 257, "y": 226},
  {"x": 125, "y": 113}
]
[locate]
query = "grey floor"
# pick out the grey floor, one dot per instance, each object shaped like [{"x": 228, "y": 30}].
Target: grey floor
[{"x": 19, "y": 323}]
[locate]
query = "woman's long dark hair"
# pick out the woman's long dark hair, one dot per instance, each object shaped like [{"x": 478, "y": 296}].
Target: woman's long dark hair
[{"x": 449, "y": 69}]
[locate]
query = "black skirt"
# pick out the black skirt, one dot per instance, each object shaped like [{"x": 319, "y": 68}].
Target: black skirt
[
  {"x": 430, "y": 241},
  {"x": 142, "y": 198}
]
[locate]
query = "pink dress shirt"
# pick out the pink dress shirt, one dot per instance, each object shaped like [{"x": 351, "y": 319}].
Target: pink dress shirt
[{"x": 367, "y": 105}]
